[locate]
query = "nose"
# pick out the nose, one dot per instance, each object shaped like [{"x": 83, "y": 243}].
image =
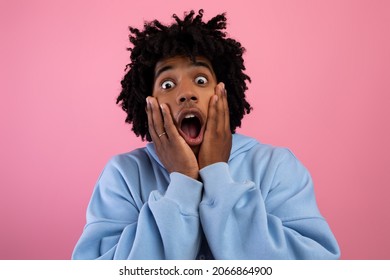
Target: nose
[
  {"x": 186, "y": 93},
  {"x": 187, "y": 97}
]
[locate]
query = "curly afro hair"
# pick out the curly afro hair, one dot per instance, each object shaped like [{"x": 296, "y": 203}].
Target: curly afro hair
[{"x": 189, "y": 37}]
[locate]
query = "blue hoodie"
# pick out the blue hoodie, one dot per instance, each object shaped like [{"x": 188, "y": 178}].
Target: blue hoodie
[{"x": 259, "y": 205}]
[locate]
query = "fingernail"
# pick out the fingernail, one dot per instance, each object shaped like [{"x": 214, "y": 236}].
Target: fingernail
[
  {"x": 215, "y": 99},
  {"x": 162, "y": 108},
  {"x": 148, "y": 102}
]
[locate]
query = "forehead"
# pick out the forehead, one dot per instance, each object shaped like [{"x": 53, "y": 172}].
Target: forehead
[{"x": 181, "y": 62}]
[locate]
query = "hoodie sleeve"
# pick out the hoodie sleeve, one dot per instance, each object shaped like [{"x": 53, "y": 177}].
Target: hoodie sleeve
[
  {"x": 119, "y": 226},
  {"x": 242, "y": 222}
]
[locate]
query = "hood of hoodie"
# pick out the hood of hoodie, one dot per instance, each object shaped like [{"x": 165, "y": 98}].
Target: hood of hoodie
[{"x": 240, "y": 144}]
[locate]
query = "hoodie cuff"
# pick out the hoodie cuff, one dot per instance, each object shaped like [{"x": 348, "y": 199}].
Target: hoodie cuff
[
  {"x": 216, "y": 173},
  {"x": 185, "y": 192},
  {"x": 219, "y": 185},
  {"x": 214, "y": 176}
]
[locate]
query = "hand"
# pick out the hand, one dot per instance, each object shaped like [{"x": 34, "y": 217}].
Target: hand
[
  {"x": 217, "y": 142},
  {"x": 172, "y": 150}
]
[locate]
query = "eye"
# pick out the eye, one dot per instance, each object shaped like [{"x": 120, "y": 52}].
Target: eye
[
  {"x": 201, "y": 80},
  {"x": 167, "y": 85}
]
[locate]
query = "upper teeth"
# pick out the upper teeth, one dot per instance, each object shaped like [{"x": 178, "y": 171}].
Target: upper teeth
[{"x": 189, "y": 116}]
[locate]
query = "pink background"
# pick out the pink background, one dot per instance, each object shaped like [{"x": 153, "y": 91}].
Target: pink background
[{"x": 321, "y": 86}]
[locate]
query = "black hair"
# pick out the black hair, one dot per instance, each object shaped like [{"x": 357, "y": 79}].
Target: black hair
[{"x": 189, "y": 37}]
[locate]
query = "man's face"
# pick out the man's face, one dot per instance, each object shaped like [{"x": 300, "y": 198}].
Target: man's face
[{"x": 186, "y": 87}]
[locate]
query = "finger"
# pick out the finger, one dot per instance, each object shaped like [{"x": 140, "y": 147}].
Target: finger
[
  {"x": 169, "y": 125},
  {"x": 221, "y": 106},
  {"x": 156, "y": 126},
  {"x": 156, "y": 114},
  {"x": 226, "y": 110},
  {"x": 152, "y": 132},
  {"x": 212, "y": 121}
]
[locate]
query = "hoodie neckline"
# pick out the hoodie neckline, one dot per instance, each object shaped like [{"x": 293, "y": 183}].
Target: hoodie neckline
[{"x": 240, "y": 144}]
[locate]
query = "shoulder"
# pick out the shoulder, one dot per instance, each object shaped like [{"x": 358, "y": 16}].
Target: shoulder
[
  {"x": 276, "y": 154},
  {"x": 128, "y": 162},
  {"x": 128, "y": 175},
  {"x": 253, "y": 148},
  {"x": 280, "y": 159},
  {"x": 136, "y": 157},
  {"x": 268, "y": 163}
]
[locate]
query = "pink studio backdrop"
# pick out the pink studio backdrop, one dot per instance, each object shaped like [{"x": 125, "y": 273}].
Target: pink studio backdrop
[{"x": 321, "y": 86}]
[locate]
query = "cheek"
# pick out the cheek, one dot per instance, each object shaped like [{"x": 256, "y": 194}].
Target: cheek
[
  {"x": 166, "y": 99},
  {"x": 206, "y": 99},
  {"x": 204, "y": 105},
  {"x": 161, "y": 98}
]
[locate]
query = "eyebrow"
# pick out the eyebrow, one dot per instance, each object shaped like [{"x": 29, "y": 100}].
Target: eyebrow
[{"x": 194, "y": 64}]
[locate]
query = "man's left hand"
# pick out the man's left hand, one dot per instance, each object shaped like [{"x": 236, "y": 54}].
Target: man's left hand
[{"x": 217, "y": 142}]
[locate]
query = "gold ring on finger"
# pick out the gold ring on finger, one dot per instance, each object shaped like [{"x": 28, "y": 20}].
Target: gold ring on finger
[{"x": 159, "y": 136}]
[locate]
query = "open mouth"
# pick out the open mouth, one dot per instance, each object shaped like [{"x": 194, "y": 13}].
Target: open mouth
[{"x": 191, "y": 127}]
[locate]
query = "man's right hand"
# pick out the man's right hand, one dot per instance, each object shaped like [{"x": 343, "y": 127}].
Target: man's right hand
[{"x": 172, "y": 150}]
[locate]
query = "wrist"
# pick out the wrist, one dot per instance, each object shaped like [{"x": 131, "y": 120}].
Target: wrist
[{"x": 216, "y": 173}]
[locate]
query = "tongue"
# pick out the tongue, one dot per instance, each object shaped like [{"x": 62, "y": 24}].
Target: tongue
[{"x": 190, "y": 129}]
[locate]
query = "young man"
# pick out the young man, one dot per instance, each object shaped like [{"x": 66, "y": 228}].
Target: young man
[{"x": 198, "y": 190}]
